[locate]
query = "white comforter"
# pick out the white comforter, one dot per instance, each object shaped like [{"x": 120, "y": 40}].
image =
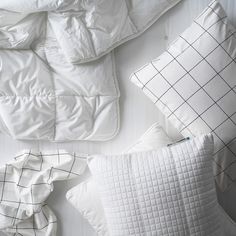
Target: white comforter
[{"x": 45, "y": 91}]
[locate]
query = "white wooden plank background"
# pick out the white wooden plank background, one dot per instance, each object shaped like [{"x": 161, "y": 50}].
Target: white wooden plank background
[{"x": 137, "y": 112}]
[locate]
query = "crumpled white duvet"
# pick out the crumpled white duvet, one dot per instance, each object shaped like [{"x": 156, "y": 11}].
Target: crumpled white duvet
[
  {"x": 45, "y": 91},
  {"x": 86, "y": 30},
  {"x": 25, "y": 184}
]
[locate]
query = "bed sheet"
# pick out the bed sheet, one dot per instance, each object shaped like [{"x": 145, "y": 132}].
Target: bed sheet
[{"x": 136, "y": 110}]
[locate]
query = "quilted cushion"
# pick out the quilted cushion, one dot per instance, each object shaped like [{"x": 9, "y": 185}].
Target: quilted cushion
[
  {"x": 165, "y": 192},
  {"x": 193, "y": 83},
  {"x": 85, "y": 196}
]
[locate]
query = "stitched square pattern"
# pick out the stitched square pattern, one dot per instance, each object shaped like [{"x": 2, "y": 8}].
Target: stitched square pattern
[
  {"x": 199, "y": 69},
  {"x": 165, "y": 192}
]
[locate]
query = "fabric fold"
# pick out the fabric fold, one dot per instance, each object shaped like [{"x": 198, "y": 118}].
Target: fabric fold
[{"x": 25, "y": 185}]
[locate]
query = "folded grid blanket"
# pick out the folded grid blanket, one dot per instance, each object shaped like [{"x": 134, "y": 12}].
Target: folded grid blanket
[
  {"x": 41, "y": 223},
  {"x": 45, "y": 93},
  {"x": 26, "y": 183}
]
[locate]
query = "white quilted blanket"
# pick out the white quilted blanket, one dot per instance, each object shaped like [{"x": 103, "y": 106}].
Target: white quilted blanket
[{"x": 45, "y": 93}]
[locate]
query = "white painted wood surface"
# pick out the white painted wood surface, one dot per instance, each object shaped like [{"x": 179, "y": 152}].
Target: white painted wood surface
[{"x": 137, "y": 112}]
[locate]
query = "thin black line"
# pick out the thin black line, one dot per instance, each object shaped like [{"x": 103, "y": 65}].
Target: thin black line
[
  {"x": 161, "y": 102},
  {"x": 49, "y": 176},
  {"x": 224, "y": 122},
  {"x": 44, "y": 214},
  {"x": 17, "y": 157},
  {"x": 24, "y": 163},
  {"x": 221, "y": 170},
  {"x": 190, "y": 105},
  {"x": 225, "y": 169},
  {"x": 4, "y": 178},
  {"x": 219, "y": 17},
  {"x": 34, "y": 226},
  {"x": 49, "y": 223},
  {"x": 232, "y": 35},
  {"x": 41, "y": 164},
  {"x": 206, "y": 9},
  {"x": 35, "y": 184},
  {"x": 17, "y": 210},
  {"x": 11, "y": 217},
  {"x": 215, "y": 102},
  {"x": 71, "y": 168},
  {"x": 201, "y": 86},
  {"x": 23, "y": 203},
  {"x": 144, "y": 85},
  {"x": 229, "y": 143}
]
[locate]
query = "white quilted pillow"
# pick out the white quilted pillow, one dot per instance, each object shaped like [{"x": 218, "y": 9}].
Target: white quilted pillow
[
  {"x": 193, "y": 83},
  {"x": 164, "y": 192},
  {"x": 85, "y": 196}
]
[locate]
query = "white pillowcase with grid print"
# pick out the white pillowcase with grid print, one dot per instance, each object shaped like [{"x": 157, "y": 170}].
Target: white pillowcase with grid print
[{"x": 193, "y": 83}]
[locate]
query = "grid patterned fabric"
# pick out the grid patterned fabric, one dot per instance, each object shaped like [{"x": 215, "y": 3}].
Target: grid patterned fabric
[
  {"x": 26, "y": 183},
  {"x": 167, "y": 192},
  {"x": 193, "y": 83}
]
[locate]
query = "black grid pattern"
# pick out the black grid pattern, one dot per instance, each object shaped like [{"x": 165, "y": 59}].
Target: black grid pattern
[
  {"x": 26, "y": 183},
  {"x": 194, "y": 84}
]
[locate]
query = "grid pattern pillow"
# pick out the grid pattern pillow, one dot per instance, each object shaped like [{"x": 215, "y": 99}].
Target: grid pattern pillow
[
  {"x": 193, "y": 83},
  {"x": 25, "y": 184},
  {"x": 169, "y": 191}
]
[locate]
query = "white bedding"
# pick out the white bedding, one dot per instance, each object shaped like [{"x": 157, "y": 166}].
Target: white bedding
[
  {"x": 193, "y": 84},
  {"x": 134, "y": 119},
  {"x": 48, "y": 92},
  {"x": 168, "y": 191}
]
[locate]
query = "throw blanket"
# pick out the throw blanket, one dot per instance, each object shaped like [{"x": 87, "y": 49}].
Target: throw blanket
[
  {"x": 26, "y": 183},
  {"x": 45, "y": 91}
]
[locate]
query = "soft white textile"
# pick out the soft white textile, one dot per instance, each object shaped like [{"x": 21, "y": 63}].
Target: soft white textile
[
  {"x": 60, "y": 102},
  {"x": 85, "y": 196},
  {"x": 193, "y": 83},
  {"x": 26, "y": 183},
  {"x": 169, "y": 191},
  {"x": 86, "y": 30},
  {"x": 86, "y": 199},
  {"x": 41, "y": 223},
  {"x": 45, "y": 94}
]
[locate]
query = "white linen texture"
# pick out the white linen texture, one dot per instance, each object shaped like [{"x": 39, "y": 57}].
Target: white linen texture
[
  {"x": 85, "y": 196},
  {"x": 26, "y": 183},
  {"x": 193, "y": 83},
  {"x": 168, "y": 191},
  {"x": 46, "y": 94}
]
